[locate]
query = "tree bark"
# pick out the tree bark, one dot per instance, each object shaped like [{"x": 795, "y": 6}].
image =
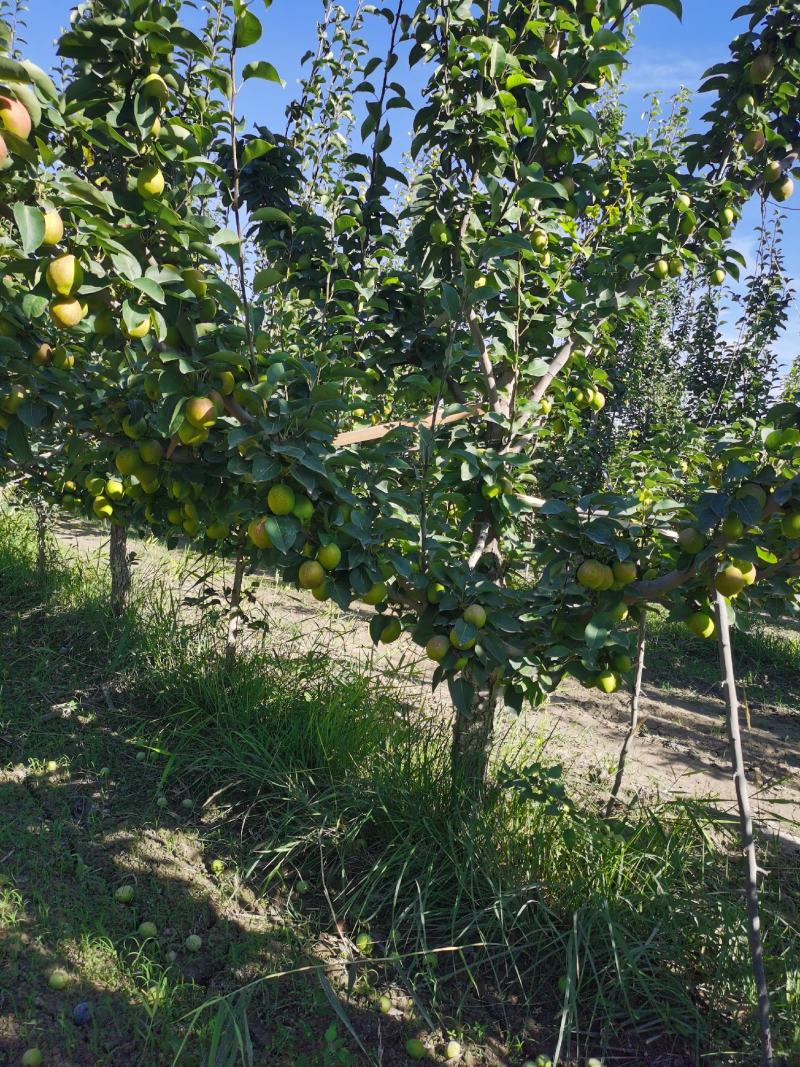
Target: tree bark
[
  {"x": 472, "y": 738},
  {"x": 234, "y": 612},
  {"x": 633, "y": 725},
  {"x": 41, "y": 541},
  {"x": 746, "y": 829},
  {"x": 120, "y": 569}
]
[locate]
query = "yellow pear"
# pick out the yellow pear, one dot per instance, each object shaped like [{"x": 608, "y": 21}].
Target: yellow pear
[{"x": 53, "y": 228}]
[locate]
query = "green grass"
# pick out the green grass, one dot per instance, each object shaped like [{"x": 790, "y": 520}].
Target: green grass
[
  {"x": 328, "y": 798},
  {"x": 767, "y": 658}
]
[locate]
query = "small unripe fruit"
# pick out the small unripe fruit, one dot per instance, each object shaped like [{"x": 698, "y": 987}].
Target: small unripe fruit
[
  {"x": 675, "y": 267},
  {"x": 390, "y": 632},
  {"x": 53, "y": 228},
  {"x": 592, "y": 574},
  {"x": 330, "y": 556},
  {"x": 772, "y": 171},
  {"x": 607, "y": 681},
  {"x": 437, "y": 648},
  {"x": 661, "y": 268},
  {"x": 15, "y": 117},
  {"x": 201, "y": 412},
  {"x": 476, "y": 615},
  {"x": 311, "y": 574},
  {"x": 126, "y": 893},
  {"x": 749, "y": 572},
  {"x": 760, "y": 70},
  {"x": 415, "y": 1049},
  {"x": 781, "y": 191},
  {"x": 102, "y": 508},
  {"x": 257, "y": 533},
  {"x": 729, "y": 580},
  {"x": 150, "y": 183},
  {"x": 193, "y": 942},
  {"x": 624, "y": 572},
  {"x": 753, "y": 142},
  {"x": 303, "y": 510},
  {"x": 153, "y": 87},
  {"x": 732, "y": 527},
  {"x": 58, "y": 979},
  {"x": 66, "y": 312},
  {"x": 32, "y": 1058},
  {"x": 281, "y": 500},
  {"x": 790, "y": 525},
  {"x": 148, "y": 929},
  {"x": 191, "y": 436},
  {"x": 64, "y": 275},
  {"x": 691, "y": 540},
  {"x": 375, "y": 594}
]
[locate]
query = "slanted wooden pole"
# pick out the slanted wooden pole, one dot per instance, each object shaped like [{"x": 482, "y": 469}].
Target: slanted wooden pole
[
  {"x": 633, "y": 724},
  {"x": 746, "y": 828}
]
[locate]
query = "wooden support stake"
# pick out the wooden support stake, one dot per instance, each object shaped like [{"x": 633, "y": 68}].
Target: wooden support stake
[
  {"x": 746, "y": 828},
  {"x": 633, "y": 724}
]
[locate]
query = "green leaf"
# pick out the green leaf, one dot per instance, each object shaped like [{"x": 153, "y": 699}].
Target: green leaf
[
  {"x": 255, "y": 149},
  {"x": 11, "y": 70},
  {"x": 461, "y": 693},
  {"x": 17, "y": 440},
  {"x": 270, "y": 214},
  {"x": 30, "y": 223},
  {"x": 675, "y": 6},
  {"x": 283, "y": 531},
  {"x": 248, "y": 30},
  {"x": 261, "y": 69},
  {"x": 31, "y": 414},
  {"x": 84, "y": 191},
  {"x": 266, "y": 278},
  {"x": 150, "y": 288}
]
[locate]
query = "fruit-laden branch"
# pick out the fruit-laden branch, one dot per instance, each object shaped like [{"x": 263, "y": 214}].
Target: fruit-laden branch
[{"x": 657, "y": 588}]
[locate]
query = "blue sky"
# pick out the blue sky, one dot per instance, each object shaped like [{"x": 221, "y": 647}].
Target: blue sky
[{"x": 667, "y": 55}]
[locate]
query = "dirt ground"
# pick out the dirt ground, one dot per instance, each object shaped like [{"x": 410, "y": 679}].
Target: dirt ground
[{"x": 681, "y": 748}]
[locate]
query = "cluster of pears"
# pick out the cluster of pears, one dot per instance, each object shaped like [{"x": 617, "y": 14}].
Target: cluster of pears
[
  {"x": 758, "y": 73},
  {"x": 598, "y": 576},
  {"x": 587, "y": 396},
  {"x": 439, "y": 645}
]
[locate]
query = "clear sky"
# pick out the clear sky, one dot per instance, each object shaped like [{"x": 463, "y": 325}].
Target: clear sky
[{"x": 667, "y": 55}]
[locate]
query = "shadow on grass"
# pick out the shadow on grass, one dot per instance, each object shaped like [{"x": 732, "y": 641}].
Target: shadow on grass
[{"x": 327, "y": 802}]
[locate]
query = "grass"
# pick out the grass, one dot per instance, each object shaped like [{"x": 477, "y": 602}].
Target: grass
[
  {"x": 767, "y": 659},
  {"x": 327, "y": 799}
]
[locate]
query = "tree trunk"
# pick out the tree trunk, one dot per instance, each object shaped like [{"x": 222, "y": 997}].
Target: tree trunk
[
  {"x": 234, "y": 612},
  {"x": 120, "y": 569},
  {"x": 633, "y": 725},
  {"x": 746, "y": 828},
  {"x": 41, "y": 541},
  {"x": 472, "y": 737}
]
